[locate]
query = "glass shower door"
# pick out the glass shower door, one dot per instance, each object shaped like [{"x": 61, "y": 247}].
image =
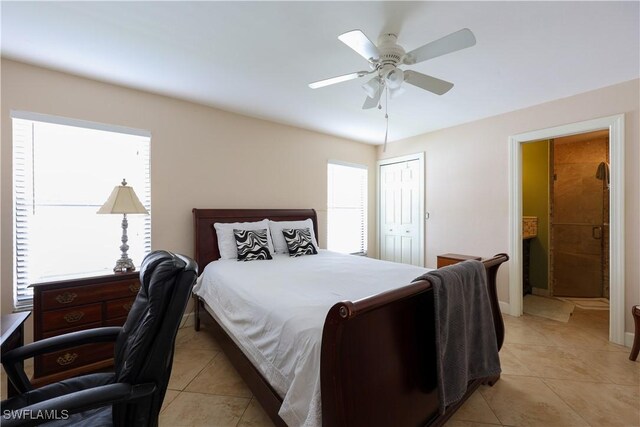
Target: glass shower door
[{"x": 577, "y": 226}]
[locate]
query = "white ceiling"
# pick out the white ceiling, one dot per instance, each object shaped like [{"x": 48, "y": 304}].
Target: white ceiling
[{"x": 256, "y": 58}]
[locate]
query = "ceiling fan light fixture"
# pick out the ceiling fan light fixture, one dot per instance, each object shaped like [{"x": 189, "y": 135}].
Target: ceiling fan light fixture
[
  {"x": 394, "y": 78},
  {"x": 388, "y": 55},
  {"x": 371, "y": 87}
]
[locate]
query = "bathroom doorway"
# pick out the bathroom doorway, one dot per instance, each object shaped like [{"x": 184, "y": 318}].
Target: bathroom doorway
[
  {"x": 579, "y": 215},
  {"x": 616, "y": 252}
]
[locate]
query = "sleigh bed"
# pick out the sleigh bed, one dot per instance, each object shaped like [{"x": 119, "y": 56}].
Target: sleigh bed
[{"x": 377, "y": 355}]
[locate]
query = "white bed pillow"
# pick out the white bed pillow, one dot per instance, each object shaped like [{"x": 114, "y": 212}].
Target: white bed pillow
[
  {"x": 276, "y": 228},
  {"x": 227, "y": 240}
]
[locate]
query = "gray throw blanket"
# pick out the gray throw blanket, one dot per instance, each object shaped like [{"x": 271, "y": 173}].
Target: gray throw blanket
[{"x": 466, "y": 342}]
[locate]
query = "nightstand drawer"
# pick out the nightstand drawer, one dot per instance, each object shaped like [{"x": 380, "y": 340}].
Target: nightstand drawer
[
  {"x": 128, "y": 288},
  {"x": 75, "y": 356},
  {"x": 119, "y": 307},
  {"x": 69, "y": 297},
  {"x": 71, "y": 317},
  {"x": 85, "y": 294},
  {"x": 57, "y": 332}
]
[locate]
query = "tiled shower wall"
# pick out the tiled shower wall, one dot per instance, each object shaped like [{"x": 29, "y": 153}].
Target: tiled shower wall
[{"x": 579, "y": 263}]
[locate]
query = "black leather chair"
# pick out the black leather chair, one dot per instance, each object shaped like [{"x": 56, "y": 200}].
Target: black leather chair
[{"x": 133, "y": 394}]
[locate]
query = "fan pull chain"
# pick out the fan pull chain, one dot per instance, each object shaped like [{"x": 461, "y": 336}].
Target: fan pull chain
[
  {"x": 386, "y": 132},
  {"x": 386, "y": 117}
]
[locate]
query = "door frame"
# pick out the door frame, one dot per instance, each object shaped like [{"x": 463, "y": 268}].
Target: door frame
[
  {"x": 615, "y": 124},
  {"x": 421, "y": 232}
]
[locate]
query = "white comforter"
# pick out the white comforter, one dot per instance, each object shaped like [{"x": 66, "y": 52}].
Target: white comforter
[{"x": 276, "y": 310}]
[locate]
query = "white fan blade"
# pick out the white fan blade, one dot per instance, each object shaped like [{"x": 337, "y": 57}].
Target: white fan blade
[
  {"x": 339, "y": 79},
  {"x": 437, "y": 86},
  {"x": 447, "y": 44},
  {"x": 372, "y": 102},
  {"x": 357, "y": 41}
]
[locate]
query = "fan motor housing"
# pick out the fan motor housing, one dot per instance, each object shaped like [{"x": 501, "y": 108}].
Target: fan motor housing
[{"x": 390, "y": 52}]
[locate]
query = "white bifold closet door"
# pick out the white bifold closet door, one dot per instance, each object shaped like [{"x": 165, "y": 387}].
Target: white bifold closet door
[{"x": 400, "y": 216}]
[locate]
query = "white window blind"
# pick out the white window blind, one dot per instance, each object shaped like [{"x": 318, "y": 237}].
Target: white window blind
[
  {"x": 63, "y": 171},
  {"x": 347, "y": 208}
]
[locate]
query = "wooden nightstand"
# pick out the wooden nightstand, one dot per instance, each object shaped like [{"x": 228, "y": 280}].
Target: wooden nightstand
[
  {"x": 448, "y": 259},
  {"x": 74, "y": 305}
]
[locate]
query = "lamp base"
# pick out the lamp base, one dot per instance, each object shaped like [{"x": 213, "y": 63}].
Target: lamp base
[{"x": 124, "y": 265}]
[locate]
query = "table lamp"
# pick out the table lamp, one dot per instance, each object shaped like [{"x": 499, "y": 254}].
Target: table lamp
[{"x": 123, "y": 200}]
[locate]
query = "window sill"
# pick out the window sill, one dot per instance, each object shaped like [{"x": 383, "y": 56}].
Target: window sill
[{"x": 23, "y": 308}]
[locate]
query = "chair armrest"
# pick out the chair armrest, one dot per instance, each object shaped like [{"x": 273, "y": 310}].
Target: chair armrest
[
  {"x": 60, "y": 342},
  {"x": 62, "y": 406},
  {"x": 12, "y": 360}
]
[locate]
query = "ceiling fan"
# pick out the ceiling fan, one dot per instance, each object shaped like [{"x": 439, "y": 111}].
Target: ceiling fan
[{"x": 385, "y": 58}]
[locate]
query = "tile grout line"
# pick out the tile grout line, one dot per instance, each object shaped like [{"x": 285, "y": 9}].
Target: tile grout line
[
  {"x": 245, "y": 411},
  {"x": 168, "y": 404},
  {"x": 200, "y": 371},
  {"x": 489, "y": 406},
  {"x": 514, "y": 355},
  {"x": 208, "y": 394},
  {"x": 542, "y": 380},
  {"x": 586, "y": 365},
  {"x": 567, "y": 346},
  {"x": 211, "y": 362},
  {"x": 566, "y": 403}
]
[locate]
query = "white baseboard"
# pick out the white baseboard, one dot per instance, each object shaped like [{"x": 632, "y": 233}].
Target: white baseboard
[
  {"x": 505, "y": 307},
  {"x": 540, "y": 292},
  {"x": 628, "y": 339}
]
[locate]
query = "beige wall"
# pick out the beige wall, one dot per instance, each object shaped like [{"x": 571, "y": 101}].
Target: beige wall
[
  {"x": 467, "y": 190},
  {"x": 535, "y": 202},
  {"x": 200, "y": 156}
]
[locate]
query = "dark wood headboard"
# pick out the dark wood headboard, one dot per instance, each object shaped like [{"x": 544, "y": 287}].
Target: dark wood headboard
[{"x": 206, "y": 240}]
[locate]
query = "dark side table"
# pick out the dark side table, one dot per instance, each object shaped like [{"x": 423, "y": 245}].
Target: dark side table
[
  {"x": 449, "y": 259},
  {"x": 12, "y": 337}
]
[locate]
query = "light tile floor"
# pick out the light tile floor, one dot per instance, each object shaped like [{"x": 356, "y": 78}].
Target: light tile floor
[
  {"x": 553, "y": 374},
  {"x": 205, "y": 389}
]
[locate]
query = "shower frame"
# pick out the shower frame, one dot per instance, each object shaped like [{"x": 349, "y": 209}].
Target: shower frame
[{"x": 605, "y": 236}]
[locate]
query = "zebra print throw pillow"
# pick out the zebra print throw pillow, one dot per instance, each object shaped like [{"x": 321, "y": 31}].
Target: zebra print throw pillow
[
  {"x": 252, "y": 244},
  {"x": 299, "y": 242}
]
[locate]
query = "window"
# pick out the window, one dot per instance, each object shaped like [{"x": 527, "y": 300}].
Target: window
[
  {"x": 347, "y": 208},
  {"x": 63, "y": 171}
]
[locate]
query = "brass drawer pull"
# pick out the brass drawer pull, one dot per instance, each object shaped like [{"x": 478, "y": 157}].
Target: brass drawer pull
[
  {"x": 66, "y": 297},
  {"x": 127, "y": 306},
  {"x": 134, "y": 288},
  {"x": 74, "y": 316},
  {"x": 67, "y": 359}
]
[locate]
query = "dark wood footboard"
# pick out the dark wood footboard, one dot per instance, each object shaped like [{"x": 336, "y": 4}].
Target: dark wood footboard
[{"x": 378, "y": 364}]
